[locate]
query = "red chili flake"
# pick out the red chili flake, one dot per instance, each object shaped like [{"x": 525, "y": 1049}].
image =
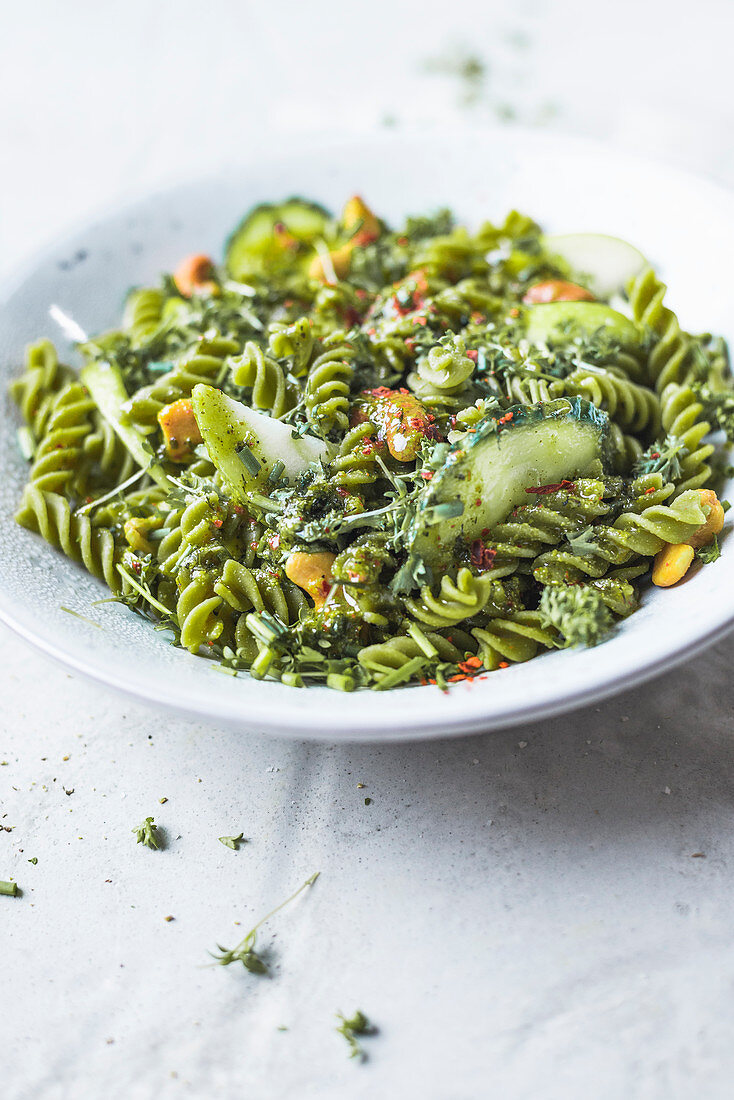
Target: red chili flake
[
  {"x": 455, "y": 679},
  {"x": 402, "y": 241},
  {"x": 470, "y": 665},
  {"x": 380, "y": 391},
  {"x": 352, "y": 316},
  {"x": 410, "y": 345},
  {"x": 514, "y": 312},
  {"x": 136, "y": 567},
  {"x": 478, "y": 317},
  {"x": 650, "y": 490},
  {"x": 655, "y": 454},
  {"x": 238, "y": 509},
  {"x": 426, "y": 474},
  {"x": 484, "y": 532},
  {"x": 361, "y": 294},
  {"x": 506, "y": 418},
  {"x": 401, "y": 390},
  {"x": 472, "y": 355},
  {"x": 421, "y": 320},
  {"x": 482, "y": 556},
  {"x": 452, "y": 421},
  {"x": 504, "y": 664},
  {"x": 217, "y": 522},
  {"x": 371, "y": 331},
  {"x": 288, "y": 302},
  {"x": 553, "y": 487}
]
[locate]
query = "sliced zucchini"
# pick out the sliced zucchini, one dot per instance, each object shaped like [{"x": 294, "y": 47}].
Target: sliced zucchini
[
  {"x": 606, "y": 263},
  {"x": 245, "y": 445},
  {"x": 275, "y": 235},
  {"x": 557, "y": 323},
  {"x": 489, "y": 472}
]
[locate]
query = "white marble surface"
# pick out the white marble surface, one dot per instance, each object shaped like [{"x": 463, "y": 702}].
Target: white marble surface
[{"x": 539, "y": 913}]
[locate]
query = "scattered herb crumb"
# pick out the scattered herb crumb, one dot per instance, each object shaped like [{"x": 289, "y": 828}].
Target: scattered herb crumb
[
  {"x": 147, "y": 834},
  {"x": 360, "y": 786},
  {"x": 162, "y": 801},
  {"x": 169, "y": 918},
  {"x": 9, "y": 888},
  {"x": 232, "y": 842},
  {"x": 245, "y": 952},
  {"x": 368, "y": 801},
  {"x": 358, "y": 1024},
  {"x": 34, "y": 860},
  {"x": 709, "y": 553}
]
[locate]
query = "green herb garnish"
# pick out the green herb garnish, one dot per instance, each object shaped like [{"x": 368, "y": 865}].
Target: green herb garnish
[
  {"x": 577, "y": 612},
  {"x": 709, "y": 553},
  {"x": 9, "y": 888},
  {"x": 147, "y": 834},
  {"x": 232, "y": 842},
  {"x": 245, "y": 952},
  {"x": 350, "y": 1028}
]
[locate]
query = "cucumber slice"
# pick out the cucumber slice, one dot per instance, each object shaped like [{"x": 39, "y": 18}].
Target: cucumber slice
[
  {"x": 606, "y": 263},
  {"x": 256, "y": 248},
  {"x": 558, "y": 323},
  {"x": 230, "y": 428},
  {"x": 490, "y": 471},
  {"x": 107, "y": 390}
]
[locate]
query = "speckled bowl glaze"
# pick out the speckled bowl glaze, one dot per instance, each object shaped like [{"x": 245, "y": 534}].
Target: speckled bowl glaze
[{"x": 683, "y": 224}]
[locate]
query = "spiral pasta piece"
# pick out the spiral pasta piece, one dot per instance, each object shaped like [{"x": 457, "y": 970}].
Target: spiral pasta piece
[
  {"x": 516, "y": 638},
  {"x": 50, "y": 516},
  {"x": 143, "y": 312},
  {"x": 197, "y": 612},
  {"x": 669, "y": 356},
  {"x": 256, "y": 371},
  {"x": 37, "y": 387},
  {"x": 682, "y": 418},
  {"x": 635, "y": 408},
  {"x": 356, "y": 463},
  {"x": 204, "y": 364},
  {"x": 440, "y": 379},
  {"x": 456, "y": 600},
  {"x": 327, "y": 389},
  {"x": 633, "y": 533},
  {"x": 259, "y": 590},
  {"x": 58, "y": 459}
]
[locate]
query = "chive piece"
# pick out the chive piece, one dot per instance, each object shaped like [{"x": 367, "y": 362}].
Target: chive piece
[
  {"x": 9, "y": 888},
  {"x": 420, "y": 639},
  {"x": 340, "y": 681},
  {"x": 262, "y": 662},
  {"x": 276, "y": 472},
  {"x": 439, "y": 512},
  {"x": 139, "y": 588},
  {"x": 248, "y": 460},
  {"x": 162, "y": 367},
  {"x": 292, "y": 679},
  {"x": 400, "y": 675}
]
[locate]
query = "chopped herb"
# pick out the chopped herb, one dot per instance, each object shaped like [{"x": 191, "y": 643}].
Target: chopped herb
[
  {"x": 350, "y": 1028},
  {"x": 245, "y": 952},
  {"x": 147, "y": 834},
  {"x": 34, "y": 860},
  {"x": 232, "y": 842},
  {"x": 248, "y": 460},
  {"x": 709, "y": 553},
  {"x": 9, "y": 888}
]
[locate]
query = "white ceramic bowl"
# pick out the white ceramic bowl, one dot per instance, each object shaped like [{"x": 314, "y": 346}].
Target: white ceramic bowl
[{"x": 683, "y": 224}]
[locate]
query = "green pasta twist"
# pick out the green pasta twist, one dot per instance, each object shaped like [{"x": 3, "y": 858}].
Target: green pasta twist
[
  {"x": 264, "y": 378},
  {"x": 516, "y": 637},
  {"x": 198, "y": 613},
  {"x": 37, "y": 387},
  {"x": 635, "y": 408},
  {"x": 245, "y": 589},
  {"x": 669, "y": 357},
  {"x": 293, "y": 342},
  {"x": 206, "y": 363},
  {"x": 440, "y": 379},
  {"x": 530, "y": 528},
  {"x": 356, "y": 463},
  {"x": 633, "y": 533},
  {"x": 530, "y": 390},
  {"x": 403, "y": 652},
  {"x": 682, "y": 417},
  {"x": 50, "y": 516},
  {"x": 466, "y": 297},
  {"x": 143, "y": 313},
  {"x": 106, "y": 452},
  {"x": 328, "y": 386},
  {"x": 57, "y": 464},
  {"x": 456, "y": 600},
  {"x": 625, "y": 449}
]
